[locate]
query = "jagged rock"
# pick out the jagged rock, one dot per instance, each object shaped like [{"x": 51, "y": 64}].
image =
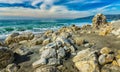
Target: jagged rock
[
  {"x": 110, "y": 68},
  {"x": 51, "y": 45},
  {"x": 10, "y": 38},
  {"x": 79, "y": 41},
  {"x": 22, "y": 51},
  {"x": 65, "y": 34},
  {"x": 104, "y": 59},
  {"x": 72, "y": 49},
  {"x": 86, "y": 61},
  {"x": 46, "y": 69},
  {"x": 54, "y": 61},
  {"x": 41, "y": 61},
  {"x": 59, "y": 43},
  {"x": 12, "y": 68},
  {"x": 36, "y": 41},
  {"x": 105, "y": 50},
  {"x": 46, "y": 41},
  {"x": 81, "y": 54},
  {"x": 118, "y": 61},
  {"x": 87, "y": 66},
  {"x": 115, "y": 63},
  {"x": 6, "y": 57},
  {"x": 48, "y": 53},
  {"x": 61, "y": 53},
  {"x": 105, "y": 30},
  {"x": 48, "y": 33},
  {"x": 16, "y": 37},
  {"x": 99, "y": 20}
]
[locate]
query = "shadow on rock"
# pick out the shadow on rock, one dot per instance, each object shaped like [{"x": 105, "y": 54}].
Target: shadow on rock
[{"x": 21, "y": 58}]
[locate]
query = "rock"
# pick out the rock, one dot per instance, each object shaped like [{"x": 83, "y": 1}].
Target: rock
[
  {"x": 65, "y": 34},
  {"x": 46, "y": 69},
  {"x": 80, "y": 55},
  {"x": 51, "y": 45},
  {"x": 79, "y": 41},
  {"x": 110, "y": 68},
  {"x": 14, "y": 46},
  {"x": 46, "y": 41},
  {"x": 114, "y": 63},
  {"x": 12, "y": 68},
  {"x": 48, "y": 53},
  {"x": 48, "y": 33},
  {"x": 104, "y": 59},
  {"x": 6, "y": 57},
  {"x": 36, "y": 41},
  {"x": 10, "y": 38},
  {"x": 87, "y": 66},
  {"x": 105, "y": 31},
  {"x": 41, "y": 61},
  {"x": 116, "y": 32},
  {"x": 86, "y": 61},
  {"x": 59, "y": 44},
  {"x": 99, "y": 20},
  {"x": 24, "y": 36},
  {"x": 53, "y": 61},
  {"x": 105, "y": 50},
  {"x": 2, "y": 43},
  {"x": 16, "y": 37},
  {"x": 72, "y": 49},
  {"x": 22, "y": 51},
  {"x": 61, "y": 53},
  {"x": 75, "y": 28},
  {"x": 118, "y": 61}
]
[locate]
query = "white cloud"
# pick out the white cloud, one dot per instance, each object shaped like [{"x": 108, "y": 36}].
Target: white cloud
[
  {"x": 11, "y": 1},
  {"x": 55, "y": 12}
]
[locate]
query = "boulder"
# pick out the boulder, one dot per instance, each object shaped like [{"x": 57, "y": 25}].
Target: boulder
[
  {"x": 110, "y": 68},
  {"x": 46, "y": 41},
  {"x": 81, "y": 55},
  {"x": 10, "y": 38},
  {"x": 105, "y": 30},
  {"x": 87, "y": 66},
  {"x": 78, "y": 40},
  {"x": 48, "y": 53},
  {"x": 61, "y": 53},
  {"x": 105, "y": 50},
  {"x": 86, "y": 61},
  {"x": 99, "y": 20},
  {"x": 46, "y": 69},
  {"x": 12, "y": 68},
  {"x": 104, "y": 59},
  {"x": 54, "y": 61},
  {"x": 36, "y": 41},
  {"x": 16, "y": 37},
  {"x": 22, "y": 51},
  {"x": 39, "y": 62},
  {"x": 6, "y": 57}
]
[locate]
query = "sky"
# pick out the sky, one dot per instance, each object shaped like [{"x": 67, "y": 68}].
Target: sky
[{"x": 57, "y": 9}]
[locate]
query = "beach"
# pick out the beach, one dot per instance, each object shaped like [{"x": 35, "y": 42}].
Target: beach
[{"x": 62, "y": 47}]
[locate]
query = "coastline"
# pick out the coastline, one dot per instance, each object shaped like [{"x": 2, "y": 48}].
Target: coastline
[{"x": 70, "y": 48}]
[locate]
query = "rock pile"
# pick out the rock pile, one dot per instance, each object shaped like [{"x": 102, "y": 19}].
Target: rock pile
[
  {"x": 95, "y": 61},
  {"x": 54, "y": 52},
  {"x": 99, "y": 20}
]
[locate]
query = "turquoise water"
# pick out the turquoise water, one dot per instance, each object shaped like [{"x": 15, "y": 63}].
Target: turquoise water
[{"x": 35, "y": 26}]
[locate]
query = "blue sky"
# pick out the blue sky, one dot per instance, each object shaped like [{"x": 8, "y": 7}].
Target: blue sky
[{"x": 57, "y": 9}]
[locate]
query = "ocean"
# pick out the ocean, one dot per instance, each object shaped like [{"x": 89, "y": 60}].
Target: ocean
[{"x": 36, "y": 26}]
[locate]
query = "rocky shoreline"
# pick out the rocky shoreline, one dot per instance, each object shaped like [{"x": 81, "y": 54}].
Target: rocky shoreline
[{"x": 91, "y": 48}]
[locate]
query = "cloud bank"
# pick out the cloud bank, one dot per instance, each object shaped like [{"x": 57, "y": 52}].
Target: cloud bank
[{"x": 57, "y": 9}]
